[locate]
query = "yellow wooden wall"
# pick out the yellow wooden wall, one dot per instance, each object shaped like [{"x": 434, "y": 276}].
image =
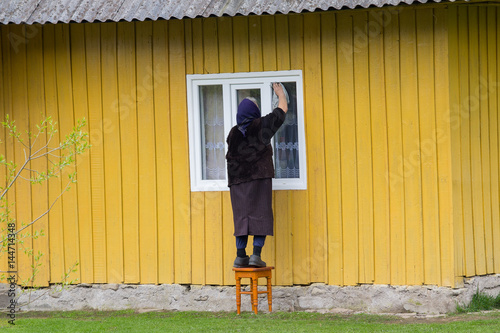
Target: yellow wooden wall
[
  {"x": 474, "y": 78},
  {"x": 380, "y": 206}
]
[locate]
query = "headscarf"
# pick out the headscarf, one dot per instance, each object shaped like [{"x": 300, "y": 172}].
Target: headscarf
[{"x": 247, "y": 112}]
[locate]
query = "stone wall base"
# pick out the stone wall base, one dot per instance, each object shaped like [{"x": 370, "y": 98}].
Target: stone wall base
[{"x": 316, "y": 297}]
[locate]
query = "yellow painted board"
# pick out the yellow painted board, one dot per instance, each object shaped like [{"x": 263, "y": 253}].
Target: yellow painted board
[
  {"x": 112, "y": 154},
  {"x": 497, "y": 226},
  {"x": 255, "y": 43},
  {"x": 163, "y": 153},
  {"x": 194, "y": 48},
  {"x": 395, "y": 150},
  {"x": 39, "y": 193},
  {"x": 213, "y": 200},
  {"x": 444, "y": 137},
  {"x": 282, "y": 42},
  {"x": 188, "y": 45},
  {"x": 226, "y": 65},
  {"x": 428, "y": 145},
  {"x": 4, "y": 262},
  {"x": 213, "y": 238},
  {"x": 332, "y": 147},
  {"x": 198, "y": 252},
  {"x": 269, "y": 46},
  {"x": 284, "y": 239},
  {"x": 96, "y": 140},
  {"x": 475, "y": 144},
  {"x": 411, "y": 149},
  {"x": 316, "y": 157},
  {"x": 484, "y": 114},
  {"x": 22, "y": 207},
  {"x": 456, "y": 163},
  {"x": 493, "y": 107},
  {"x": 55, "y": 228},
  {"x": 348, "y": 160},
  {"x": 463, "y": 51},
  {"x": 300, "y": 204},
  {"x": 148, "y": 228},
  {"x": 83, "y": 186},
  {"x": 272, "y": 257},
  {"x": 240, "y": 44},
  {"x": 126, "y": 55},
  {"x": 180, "y": 158},
  {"x": 378, "y": 102},
  {"x": 276, "y": 57},
  {"x": 228, "y": 239},
  {"x": 363, "y": 149},
  {"x": 66, "y": 123}
]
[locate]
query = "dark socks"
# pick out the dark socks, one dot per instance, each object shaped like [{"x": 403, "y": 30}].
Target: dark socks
[
  {"x": 257, "y": 250},
  {"x": 241, "y": 253}
]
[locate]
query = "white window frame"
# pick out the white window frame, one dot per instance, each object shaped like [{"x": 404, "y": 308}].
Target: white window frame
[{"x": 229, "y": 83}]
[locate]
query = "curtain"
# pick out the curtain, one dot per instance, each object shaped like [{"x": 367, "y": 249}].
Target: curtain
[{"x": 212, "y": 132}]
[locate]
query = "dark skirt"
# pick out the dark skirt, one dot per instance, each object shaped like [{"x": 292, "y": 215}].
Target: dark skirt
[{"x": 252, "y": 207}]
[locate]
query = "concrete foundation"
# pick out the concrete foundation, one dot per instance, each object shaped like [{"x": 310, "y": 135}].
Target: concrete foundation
[{"x": 316, "y": 297}]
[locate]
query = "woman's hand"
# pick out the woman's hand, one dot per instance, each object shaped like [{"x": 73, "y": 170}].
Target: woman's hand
[{"x": 278, "y": 90}]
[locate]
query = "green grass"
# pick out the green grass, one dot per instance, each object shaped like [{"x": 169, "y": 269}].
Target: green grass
[
  {"x": 480, "y": 302},
  {"x": 127, "y": 321}
]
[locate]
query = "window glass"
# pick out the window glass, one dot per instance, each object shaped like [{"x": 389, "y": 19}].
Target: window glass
[
  {"x": 212, "y": 132},
  {"x": 286, "y": 139},
  {"x": 244, "y": 93}
]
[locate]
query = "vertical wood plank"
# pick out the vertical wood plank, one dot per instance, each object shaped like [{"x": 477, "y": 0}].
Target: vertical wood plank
[
  {"x": 3, "y": 110},
  {"x": 148, "y": 228},
  {"x": 96, "y": 139},
  {"x": 55, "y": 232},
  {"x": 126, "y": 55},
  {"x": 463, "y": 48},
  {"x": 198, "y": 254},
  {"x": 36, "y": 107},
  {"x": 180, "y": 158},
  {"x": 315, "y": 139},
  {"x": 381, "y": 202},
  {"x": 82, "y": 188},
  {"x": 348, "y": 159},
  {"x": 475, "y": 143},
  {"x": 112, "y": 154},
  {"x": 484, "y": 116},
  {"x": 302, "y": 256},
  {"x": 395, "y": 150},
  {"x": 66, "y": 122},
  {"x": 213, "y": 200},
  {"x": 411, "y": 149},
  {"x": 332, "y": 147},
  {"x": 428, "y": 143},
  {"x": 255, "y": 43},
  {"x": 226, "y": 65},
  {"x": 493, "y": 78},
  {"x": 363, "y": 148},
  {"x": 445, "y": 134},
  {"x": 456, "y": 162},
  {"x": 163, "y": 153}
]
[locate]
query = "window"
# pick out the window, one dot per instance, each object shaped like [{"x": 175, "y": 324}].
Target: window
[{"x": 212, "y": 106}]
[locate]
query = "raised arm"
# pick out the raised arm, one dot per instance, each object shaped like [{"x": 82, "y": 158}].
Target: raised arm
[{"x": 282, "y": 104}]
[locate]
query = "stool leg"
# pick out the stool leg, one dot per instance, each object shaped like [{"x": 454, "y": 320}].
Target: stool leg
[
  {"x": 255, "y": 294},
  {"x": 238, "y": 295},
  {"x": 269, "y": 294}
]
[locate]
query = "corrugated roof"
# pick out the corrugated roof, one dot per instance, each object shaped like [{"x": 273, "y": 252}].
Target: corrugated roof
[{"x": 54, "y": 11}]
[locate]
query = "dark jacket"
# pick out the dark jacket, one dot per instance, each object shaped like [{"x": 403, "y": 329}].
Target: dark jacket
[{"x": 250, "y": 157}]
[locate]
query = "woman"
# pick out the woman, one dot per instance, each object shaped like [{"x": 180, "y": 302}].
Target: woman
[{"x": 250, "y": 170}]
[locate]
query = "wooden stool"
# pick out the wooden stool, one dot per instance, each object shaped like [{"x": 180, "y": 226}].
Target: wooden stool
[{"x": 254, "y": 273}]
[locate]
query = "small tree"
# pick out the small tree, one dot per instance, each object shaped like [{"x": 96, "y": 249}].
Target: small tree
[{"x": 13, "y": 233}]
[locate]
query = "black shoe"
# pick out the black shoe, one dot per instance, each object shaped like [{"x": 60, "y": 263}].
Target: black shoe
[
  {"x": 240, "y": 262},
  {"x": 256, "y": 261}
]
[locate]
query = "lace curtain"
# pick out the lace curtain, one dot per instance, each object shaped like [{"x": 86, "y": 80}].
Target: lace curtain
[
  {"x": 212, "y": 132},
  {"x": 286, "y": 140},
  {"x": 286, "y": 147}
]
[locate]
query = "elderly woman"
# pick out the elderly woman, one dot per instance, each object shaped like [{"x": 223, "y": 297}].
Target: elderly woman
[{"x": 250, "y": 169}]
